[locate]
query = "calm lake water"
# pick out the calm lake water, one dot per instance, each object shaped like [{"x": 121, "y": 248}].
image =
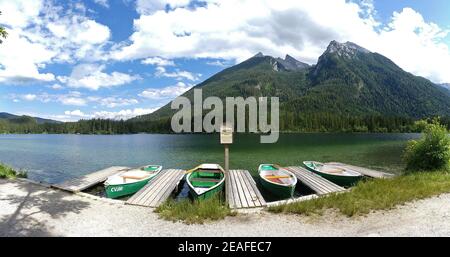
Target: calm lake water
[{"x": 54, "y": 158}]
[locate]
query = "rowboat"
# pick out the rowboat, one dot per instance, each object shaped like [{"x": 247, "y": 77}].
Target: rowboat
[
  {"x": 205, "y": 181},
  {"x": 131, "y": 181},
  {"x": 278, "y": 181},
  {"x": 338, "y": 175}
]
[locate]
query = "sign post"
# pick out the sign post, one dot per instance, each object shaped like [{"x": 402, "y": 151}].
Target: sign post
[{"x": 226, "y": 139}]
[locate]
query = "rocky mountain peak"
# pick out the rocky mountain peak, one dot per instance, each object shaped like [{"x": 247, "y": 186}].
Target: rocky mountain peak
[
  {"x": 259, "y": 54},
  {"x": 347, "y": 49},
  {"x": 289, "y": 63}
]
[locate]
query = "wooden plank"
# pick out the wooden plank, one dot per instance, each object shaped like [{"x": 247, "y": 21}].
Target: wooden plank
[
  {"x": 317, "y": 183},
  {"x": 158, "y": 189},
  {"x": 148, "y": 192},
  {"x": 234, "y": 191},
  {"x": 261, "y": 199},
  {"x": 365, "y": 171},
  {"x": 152, "y": 190},
  {"x": 79, "y": 184},
  {"x": 251, "y": 192},
  {"x": 293, "y": 200},
  {"x": 245, "y": 189},
  {"x": 242, "y": 191},
  {"x": 138, "y": 196},
  {"x": 321, "y": 183},
  {"x": 229, "y": 197},
  {"x": 167, "y": 191},
  {"x": 309, "y": 180}
]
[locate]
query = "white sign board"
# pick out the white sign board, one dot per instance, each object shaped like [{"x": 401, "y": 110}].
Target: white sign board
[{"x": 226, "y": 134}]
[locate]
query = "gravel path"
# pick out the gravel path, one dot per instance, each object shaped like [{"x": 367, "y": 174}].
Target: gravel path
[{"x": 32, "y": 210}]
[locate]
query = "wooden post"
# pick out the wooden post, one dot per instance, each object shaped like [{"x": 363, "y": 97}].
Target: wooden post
[
  {"x": 226, "y": 138},
  {"x": 227, "y": 157}
]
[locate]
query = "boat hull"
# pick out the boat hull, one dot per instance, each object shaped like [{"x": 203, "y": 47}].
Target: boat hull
[
  {"x": 278, "y": 190},
  {"x": 116, "y": 191},
  {"x": 207, "y": 194},
  {"x": 345, "y": 181},
  {"x": 206, "y": 181}
]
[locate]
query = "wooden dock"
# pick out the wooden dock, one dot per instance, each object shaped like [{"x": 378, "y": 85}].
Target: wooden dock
[
  {"x": 317, "y": 183},
  {"x": 365, "y": 171},
  {"x": 158, "y": 189},
  {"x": 241, "y": 191},
  {"x": 79, "y": 184}
]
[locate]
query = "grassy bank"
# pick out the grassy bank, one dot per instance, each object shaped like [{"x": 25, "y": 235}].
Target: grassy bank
[
  {"x": 196, "y": 212},
  {"x": 379, "y": 194},
  {"x": 10, "y": 173}
]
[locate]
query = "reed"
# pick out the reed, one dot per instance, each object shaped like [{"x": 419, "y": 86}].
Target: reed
[{"x": 194, "y": 212}]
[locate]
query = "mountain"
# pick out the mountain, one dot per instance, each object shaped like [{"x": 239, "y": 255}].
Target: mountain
[
  {"x": 445, "y": 85},
  {"x": 348, "y": 80},
  {"x": 25, "y": 119}
]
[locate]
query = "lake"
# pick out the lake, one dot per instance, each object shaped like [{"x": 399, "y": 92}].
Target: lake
[{"x": 54, "y": 158}]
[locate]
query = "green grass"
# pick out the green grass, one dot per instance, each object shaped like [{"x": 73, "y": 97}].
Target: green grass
[
  {"x": 377, "y": 194},
  {"x": 196, "y": 212},
  {"x": 9, "y": 173}
]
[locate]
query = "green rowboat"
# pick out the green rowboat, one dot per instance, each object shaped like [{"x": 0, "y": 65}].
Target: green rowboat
[
  {"x": 131, "y": 181},
  {"x": 280, "y": 182},
  {"x": 205, "y": 181},
  {"x": 338, "y": 175}
]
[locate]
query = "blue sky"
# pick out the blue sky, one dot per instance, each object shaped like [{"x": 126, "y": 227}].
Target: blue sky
[{"x": 70, "y": 60}]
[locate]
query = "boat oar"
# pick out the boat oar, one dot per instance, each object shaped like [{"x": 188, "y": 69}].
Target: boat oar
[
  {"x": 281, "y": 168},
  {"x": 273, "y": 177}
]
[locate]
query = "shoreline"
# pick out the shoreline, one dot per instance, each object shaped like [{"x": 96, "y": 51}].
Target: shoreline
[
  {"x": 28, "y": 209},
  {"x": 216, "y": 133}
]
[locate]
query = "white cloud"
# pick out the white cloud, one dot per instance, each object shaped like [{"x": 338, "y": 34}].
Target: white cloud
[
  {"x": 158, "y": 61},
  {"x": 91, "y": 76},
  {"x": 72, "y": 101},
  {"x": 103, "y": 3},
  {"x": 237, "y": 29},
  {"x": 20, "y": 59},
  {"x": 119, "y": 115},
  {"x": 177, "y": 74},
  {"x": 29, "y": 97},
  {"x": 56, "y": 86},
  {"x": 17, "y": 13},
  {"x": 219, "y": 63},
  {"x": 40, "y": 33},
  {"x": 75, "y": 98},
  {"x": 72, "y": 98},
  {"x": 80, "y": 31},
  {"x": 149, "y": 6},
  {"x": 76, "y": 113},
  {"x": 123, "y": 114},
  {"x": 166, "y": 92},
  {"x": 415, "y": 45},
  {"x": 112, "y": 102}
]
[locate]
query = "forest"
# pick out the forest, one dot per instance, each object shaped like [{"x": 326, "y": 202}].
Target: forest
[{"x": 289, "y": 122}]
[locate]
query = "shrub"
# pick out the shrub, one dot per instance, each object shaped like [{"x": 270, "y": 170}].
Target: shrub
[
  {"x": 431, "y": 151},
  {"x": 8, "y": 172}
]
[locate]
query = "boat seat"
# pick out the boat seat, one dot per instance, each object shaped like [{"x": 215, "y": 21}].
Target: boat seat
[
  {"x": 209, "y": 171},
  {"x": 133, "y": 177},
  {"x": 205, "y": 180}
]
